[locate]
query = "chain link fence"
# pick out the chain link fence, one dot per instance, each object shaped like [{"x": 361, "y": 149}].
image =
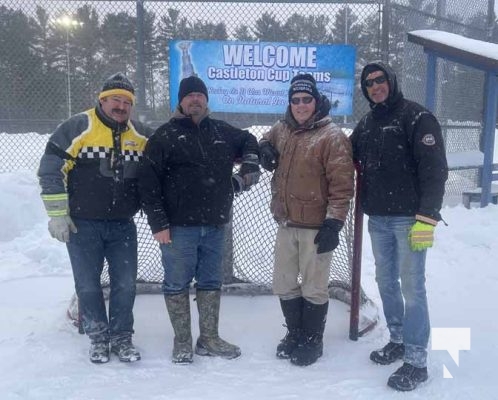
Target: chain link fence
[
  {"x": 55, "y": 54},
  {"x": 52, "y": 68},
  {"x": 460, "y": 90},
  {"x": 62, "y": 62}
]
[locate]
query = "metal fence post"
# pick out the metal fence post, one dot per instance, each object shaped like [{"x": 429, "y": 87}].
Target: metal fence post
[
  {"x": 386, "y": 20},
  {"x": 140, "y": 78}
]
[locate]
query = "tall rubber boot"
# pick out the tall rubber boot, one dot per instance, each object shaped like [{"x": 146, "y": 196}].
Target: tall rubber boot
[
  {"x": 310, "y": 346},
  {"x": 209, "y": 343},
  {"x": 293, "y": 312},
  {"x": 178, "y": 306}
]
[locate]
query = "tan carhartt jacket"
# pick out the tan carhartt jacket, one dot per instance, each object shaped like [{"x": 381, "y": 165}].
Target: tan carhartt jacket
[{"x": 314, "y": 179}]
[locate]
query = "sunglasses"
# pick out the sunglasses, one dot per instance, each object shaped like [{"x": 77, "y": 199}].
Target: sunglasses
[
  {"x": 378, "y": 80},
  {"x": 305, "y": 100}
]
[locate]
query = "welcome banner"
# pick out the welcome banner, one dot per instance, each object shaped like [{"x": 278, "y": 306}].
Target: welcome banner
[{"x": 254, "y": 77}]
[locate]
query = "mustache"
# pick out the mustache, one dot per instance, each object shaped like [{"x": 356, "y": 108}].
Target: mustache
[{"x": 118, "y": 111}]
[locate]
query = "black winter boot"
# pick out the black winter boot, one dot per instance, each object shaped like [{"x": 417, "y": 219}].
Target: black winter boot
[
  {"x": 390, "y": 353},
  {"x": 99, "y": 347},
  {"x": 310, "y": 347},
  {"x": 99, "y": 352},
  {"x": 125, "y": 350},
  {"x": 407, "y": 377},
  {"x": 293, "y": 312}
]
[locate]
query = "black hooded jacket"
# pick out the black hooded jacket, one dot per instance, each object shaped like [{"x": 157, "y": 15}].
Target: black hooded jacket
[{"x": 400, "y": 150}]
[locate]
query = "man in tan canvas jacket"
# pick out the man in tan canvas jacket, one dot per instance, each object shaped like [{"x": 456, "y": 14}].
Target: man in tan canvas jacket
[{"x": 312, "y": 187}]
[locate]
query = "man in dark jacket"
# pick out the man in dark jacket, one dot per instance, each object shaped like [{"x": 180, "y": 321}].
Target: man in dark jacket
[
  {"x": 88, "y": 177},
  {"x": 399, "y": 148},
  {"x": 187, "y": 188}
]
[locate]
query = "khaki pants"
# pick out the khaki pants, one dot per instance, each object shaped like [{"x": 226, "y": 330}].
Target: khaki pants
[{"x": 295, "y": 255}]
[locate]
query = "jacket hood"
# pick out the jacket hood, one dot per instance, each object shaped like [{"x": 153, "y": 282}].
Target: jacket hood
[{"x": 395, "y": 93}]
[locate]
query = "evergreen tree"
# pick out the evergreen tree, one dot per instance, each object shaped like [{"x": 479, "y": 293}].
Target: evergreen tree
[
  {"x": 346, "y": 27},
  {"x": 310, "y": 29},
  {"x": 171, "y": 26},
  {"x": 151, "y": 60},
  {"x": 268, "y": 29},
  {"x": 203, "y": 30},
  {"x": 118, "y": 44},
  {"x": 243, "y": 33},
  {"x": 86, "y": 60},
  {"x": 49, "y": 89},
  {"x": 18, "y": 60}
]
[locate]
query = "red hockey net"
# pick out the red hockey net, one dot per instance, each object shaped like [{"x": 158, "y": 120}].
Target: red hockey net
[{"x": 248, "y": 259}]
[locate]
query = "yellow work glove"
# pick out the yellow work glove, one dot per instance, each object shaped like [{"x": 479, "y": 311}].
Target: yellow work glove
[{"x": 421, "y": 236}]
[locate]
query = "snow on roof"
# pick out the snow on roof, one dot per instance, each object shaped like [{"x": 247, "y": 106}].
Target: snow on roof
[{"x": 428, "y": 37}]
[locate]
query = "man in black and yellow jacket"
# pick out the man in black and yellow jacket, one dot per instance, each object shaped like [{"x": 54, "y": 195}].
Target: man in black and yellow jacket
[{"x": 88, "y": 177}]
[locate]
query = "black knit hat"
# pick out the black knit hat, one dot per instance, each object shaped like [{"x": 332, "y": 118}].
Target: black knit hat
[
  {"x": 190, "y": 85},
  {"x": 118, "y": 84},
  {"x": 304, "y": 83}
]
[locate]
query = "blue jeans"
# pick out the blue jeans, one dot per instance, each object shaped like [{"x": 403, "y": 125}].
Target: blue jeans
[
  {"x": 194, "y": 252},
  {"x": 405, "y": 305},
  {"x": 115, "y": 241}
]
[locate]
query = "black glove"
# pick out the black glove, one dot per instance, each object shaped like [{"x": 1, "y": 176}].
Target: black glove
[
  {"x": 327, "y": 237},
  {"x": 269, "y": 155},
  {"x": 249, "y": 172},
  {"x": 238, "y": 183}
]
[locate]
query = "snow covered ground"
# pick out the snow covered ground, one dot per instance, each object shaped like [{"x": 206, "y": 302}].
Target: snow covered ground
[{"x": 44, "y": 358}]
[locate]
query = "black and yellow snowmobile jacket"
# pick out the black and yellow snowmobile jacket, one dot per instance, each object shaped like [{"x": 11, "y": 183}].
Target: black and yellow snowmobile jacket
[{"x": 94, "y": 159}]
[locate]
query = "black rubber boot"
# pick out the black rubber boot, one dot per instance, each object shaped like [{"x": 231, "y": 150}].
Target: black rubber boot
[
  {"x": 310, "y": 347},
  {"x": 293, "y": 312}
]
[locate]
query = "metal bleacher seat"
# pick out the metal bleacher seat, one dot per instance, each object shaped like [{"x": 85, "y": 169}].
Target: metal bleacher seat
[{"x": 467, "y": 160}]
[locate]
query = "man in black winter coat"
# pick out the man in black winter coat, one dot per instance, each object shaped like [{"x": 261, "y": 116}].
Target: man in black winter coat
[
  {"x": 400, "y": 151},
  {"x": 187, "y": 189}
]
